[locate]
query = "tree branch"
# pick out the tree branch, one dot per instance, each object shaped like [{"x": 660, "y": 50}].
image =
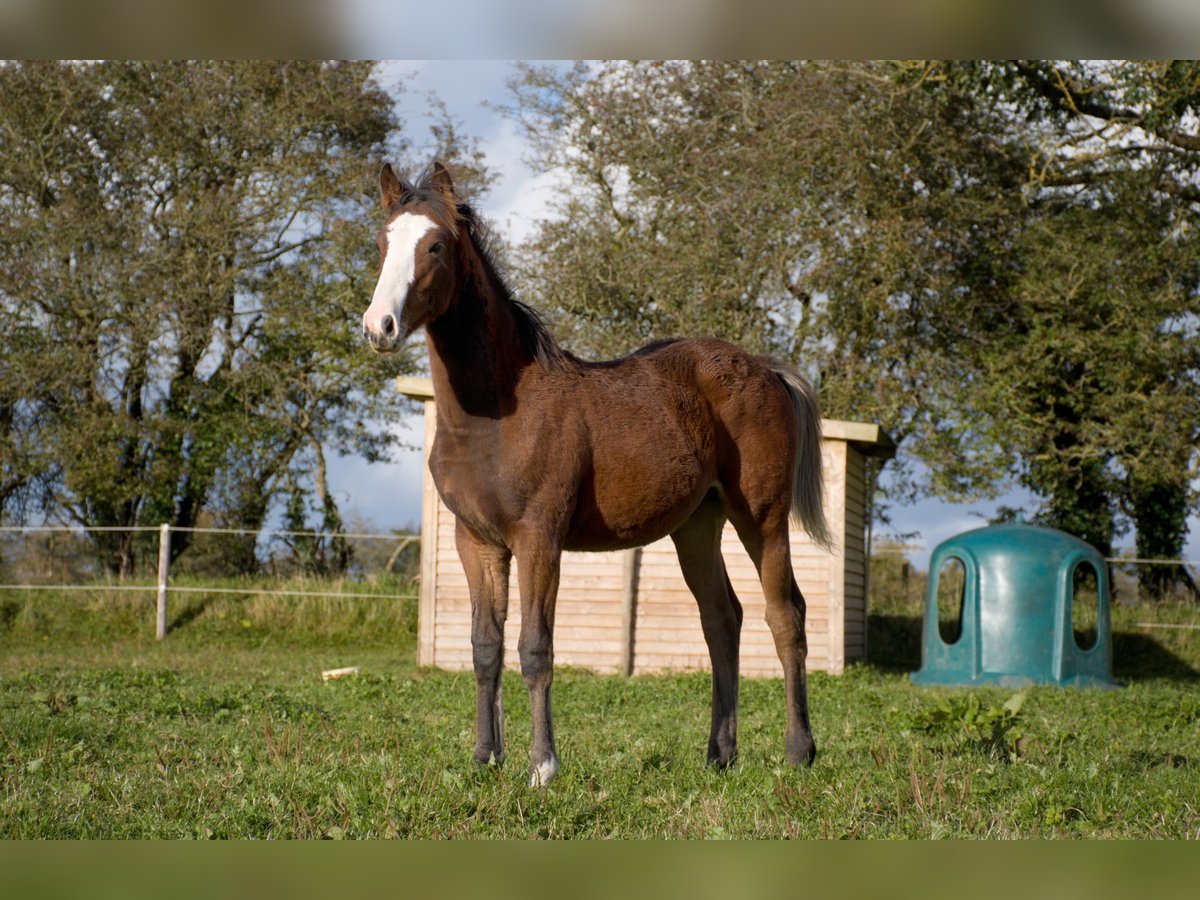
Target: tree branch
[
  {"x": 287, "y": 248},
  {"x": 1068, "y": 93}
]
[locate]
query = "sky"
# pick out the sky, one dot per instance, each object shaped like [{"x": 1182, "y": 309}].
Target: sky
[{"x": 385, "y": 496}]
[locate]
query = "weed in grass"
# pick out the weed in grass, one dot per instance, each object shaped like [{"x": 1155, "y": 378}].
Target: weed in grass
[{"x": 993, "y": 730}]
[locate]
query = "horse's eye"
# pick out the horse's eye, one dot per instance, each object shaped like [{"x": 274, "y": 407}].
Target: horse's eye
[{"x": 437, "y": 248}]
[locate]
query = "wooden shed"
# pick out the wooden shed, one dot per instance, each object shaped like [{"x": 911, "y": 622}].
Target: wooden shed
[{"x": 631, "y": 612}]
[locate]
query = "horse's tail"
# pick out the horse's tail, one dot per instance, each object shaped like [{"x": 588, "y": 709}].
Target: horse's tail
[{"x": 808, "y": 488}]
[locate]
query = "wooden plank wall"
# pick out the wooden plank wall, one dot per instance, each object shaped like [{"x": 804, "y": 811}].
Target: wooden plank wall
[
  {"x": 589, "y": 628},
  {"x": 855, "y": 552},
  {"x": 668, "y": 637}
]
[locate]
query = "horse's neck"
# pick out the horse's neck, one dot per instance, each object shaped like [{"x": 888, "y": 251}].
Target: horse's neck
[{"x": 475, "y": 357}]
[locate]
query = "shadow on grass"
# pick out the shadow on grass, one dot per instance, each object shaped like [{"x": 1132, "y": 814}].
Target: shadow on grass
[
  {"x": 894, "y": 643},
  {"x": 1141, "y": 656},
  {"x": 1146, "y": 759},
  {"x": 193, "y": 611},
  {"x": 894, "y": 646}
]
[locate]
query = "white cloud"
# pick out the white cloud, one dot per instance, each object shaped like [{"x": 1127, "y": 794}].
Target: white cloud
[
  {"x": 387, "y": 495},
  {"x": 520, "y": 197},
  {"x": 472, "y": 91}
]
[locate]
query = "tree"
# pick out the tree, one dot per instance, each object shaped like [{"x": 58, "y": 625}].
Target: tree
[
  {"x": 1087, "y": 361},
  {"x": 958, "y": 251},
  {"x": 1104, "y": 345},
  {"x": 818, "y": 212},
  {"x": 185, "y": 252}
]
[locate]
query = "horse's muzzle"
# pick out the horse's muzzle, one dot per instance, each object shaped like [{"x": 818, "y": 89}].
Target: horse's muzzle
[{"x": 386, "y": 338}]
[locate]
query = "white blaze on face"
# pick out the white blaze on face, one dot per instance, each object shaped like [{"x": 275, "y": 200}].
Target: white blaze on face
[{"x": 399, "y": 269}]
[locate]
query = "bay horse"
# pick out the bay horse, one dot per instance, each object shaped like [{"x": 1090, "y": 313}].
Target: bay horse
[{"x": 537, "y": 452}]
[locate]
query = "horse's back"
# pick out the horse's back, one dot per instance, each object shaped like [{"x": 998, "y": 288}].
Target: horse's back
[
  {"x": 709, "y": 384},
  {"x": 663, "y": 427}
]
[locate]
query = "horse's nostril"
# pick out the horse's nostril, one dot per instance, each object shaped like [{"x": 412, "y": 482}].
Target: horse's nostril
[{"x": 389, "y": 326}]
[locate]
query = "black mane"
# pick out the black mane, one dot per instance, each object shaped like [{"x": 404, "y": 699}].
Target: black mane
[{"x": 536, "y": 338}]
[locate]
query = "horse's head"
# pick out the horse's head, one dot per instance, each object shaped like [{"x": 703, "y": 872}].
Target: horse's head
[{"x": 416, "y": 250}]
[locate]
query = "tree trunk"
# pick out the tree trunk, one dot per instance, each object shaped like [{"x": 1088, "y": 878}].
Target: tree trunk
[
  {"x": 331, "y": 518},
  {"x": 1160, "y": 517},
  {"x": 1080, "y": 504}
]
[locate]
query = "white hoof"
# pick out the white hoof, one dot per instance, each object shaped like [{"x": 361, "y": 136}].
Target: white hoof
[{"x": 544, "y": 772}]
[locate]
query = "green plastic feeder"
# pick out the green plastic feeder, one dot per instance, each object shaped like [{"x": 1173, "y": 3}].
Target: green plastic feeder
[{"x": 1015, "y": 625}]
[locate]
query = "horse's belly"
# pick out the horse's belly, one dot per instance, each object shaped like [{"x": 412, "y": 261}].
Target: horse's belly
[
  {"x": 650, "y": 466},
  {"x": 636, "y": 505}
]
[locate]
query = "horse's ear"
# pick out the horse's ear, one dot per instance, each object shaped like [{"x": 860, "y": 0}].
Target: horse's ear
[
  {"x": 441, "y": 180},
  {"x": 390, "y": 187}
]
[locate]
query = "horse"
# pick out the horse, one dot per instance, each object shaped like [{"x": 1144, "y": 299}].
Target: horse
[{"x": 537, "y": 451}]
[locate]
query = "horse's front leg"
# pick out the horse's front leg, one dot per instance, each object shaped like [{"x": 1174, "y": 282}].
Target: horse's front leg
[
  {"x": 537, "y": 571},
  {"x": 486, "y": 567}
]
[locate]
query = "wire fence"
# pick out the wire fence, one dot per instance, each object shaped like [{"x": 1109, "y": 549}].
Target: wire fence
[
  {"x": 162, "y": 587},
  {"x": 895, "y": 549},
  {"x": 1127, "y": 584},
  {"x": 264, "y": 532},
  {"x": 1124, "y": 579}
]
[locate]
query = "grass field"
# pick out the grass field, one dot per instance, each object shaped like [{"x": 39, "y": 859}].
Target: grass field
[{"x": 226, "y": 730}]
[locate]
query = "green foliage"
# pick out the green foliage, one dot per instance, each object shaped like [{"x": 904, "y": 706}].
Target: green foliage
[
  {"x": 185, "y": 253},
  {"x": 1092, "y": 373},
  {"x": 817, "y": 212},
  {"x": 992, "y": 730},
  {"x": 1160, "y": 508},
  {"x": 996, "y": 261}
]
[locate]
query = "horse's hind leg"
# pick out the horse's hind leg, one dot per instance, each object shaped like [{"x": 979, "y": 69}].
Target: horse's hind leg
[
  {"x": 766, "y": 540},
  {"x": 486, "y": 567},
  {"x": 698, "y": 543}
]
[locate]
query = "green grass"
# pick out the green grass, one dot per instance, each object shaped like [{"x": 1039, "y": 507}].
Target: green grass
[{"x": 226, "y": 730}]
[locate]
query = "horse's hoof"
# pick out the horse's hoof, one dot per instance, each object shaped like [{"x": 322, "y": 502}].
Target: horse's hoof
[
  {"x": 802, "y": 756},
  {"x": 488, "y": 759},
  {"x": 543, "y": 773},
  {"x": 721, "y": 760}
]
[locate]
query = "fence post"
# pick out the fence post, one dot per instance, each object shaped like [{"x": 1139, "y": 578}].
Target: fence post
[{"x": 164, "y": 565}]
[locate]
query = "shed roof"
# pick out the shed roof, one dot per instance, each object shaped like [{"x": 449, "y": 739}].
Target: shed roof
[{"x": 870, "y": 440}]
